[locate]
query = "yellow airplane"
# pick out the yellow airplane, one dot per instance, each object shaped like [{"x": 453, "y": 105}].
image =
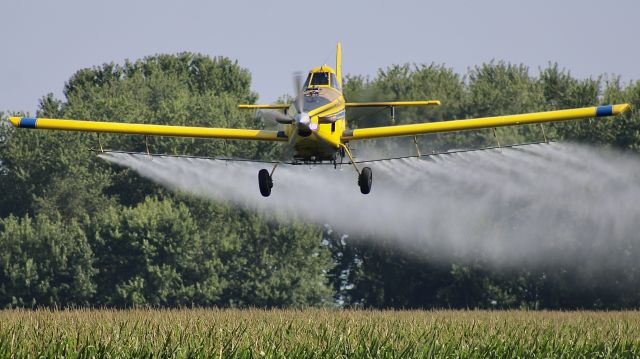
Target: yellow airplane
[{"x": 318, "y": 131}]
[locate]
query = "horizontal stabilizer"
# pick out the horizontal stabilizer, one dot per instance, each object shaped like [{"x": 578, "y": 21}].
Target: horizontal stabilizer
[
  {"x": 393, "y": 103},
  {"x": 272, "y": 107}
]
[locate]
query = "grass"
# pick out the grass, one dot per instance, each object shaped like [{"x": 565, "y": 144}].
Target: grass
[{"x": 316, "y": 333}]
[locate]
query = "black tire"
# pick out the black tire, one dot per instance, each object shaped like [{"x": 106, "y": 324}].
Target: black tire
[
  {"x": 365, "y": 179},
  {"x": 265, "y": 182}
]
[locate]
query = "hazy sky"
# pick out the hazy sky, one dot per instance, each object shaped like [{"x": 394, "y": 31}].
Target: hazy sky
[{"x": 45, "y": 42}]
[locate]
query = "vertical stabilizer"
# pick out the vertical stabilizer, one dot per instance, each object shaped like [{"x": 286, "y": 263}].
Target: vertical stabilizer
[{"x": 339, "y": 64}]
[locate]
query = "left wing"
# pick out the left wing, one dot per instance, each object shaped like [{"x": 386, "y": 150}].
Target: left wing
[
  {"x": 486, "y": 122},
  {"x": 147, "y": 129}
]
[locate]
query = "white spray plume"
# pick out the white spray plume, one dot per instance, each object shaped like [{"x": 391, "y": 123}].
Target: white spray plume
[{"x": 547, "y": 202}]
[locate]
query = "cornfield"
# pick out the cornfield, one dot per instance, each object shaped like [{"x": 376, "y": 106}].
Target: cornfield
[{"x": 317, "y": 333}]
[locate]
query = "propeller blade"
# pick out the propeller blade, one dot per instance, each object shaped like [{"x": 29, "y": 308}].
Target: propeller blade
[
  {"x": 297, "y": 88},
  {"x": 274, "y": 115}
]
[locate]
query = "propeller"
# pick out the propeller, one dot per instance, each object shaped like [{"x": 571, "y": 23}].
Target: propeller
[
  {"x": 301, "y": 121},
  {"x": 275, "y": 116},
  {"x": 279, "y": 117},
  {"x": 302, "y": 118}
]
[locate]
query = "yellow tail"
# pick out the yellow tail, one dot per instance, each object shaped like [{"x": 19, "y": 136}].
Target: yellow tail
[{"x": 339, "y": 64}]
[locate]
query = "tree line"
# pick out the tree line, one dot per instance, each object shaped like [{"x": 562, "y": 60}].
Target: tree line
[{"x": 78, "y": 231}]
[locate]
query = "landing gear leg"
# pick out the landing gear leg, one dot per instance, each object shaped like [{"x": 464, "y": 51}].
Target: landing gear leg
[{"x": 365, "y": 177}]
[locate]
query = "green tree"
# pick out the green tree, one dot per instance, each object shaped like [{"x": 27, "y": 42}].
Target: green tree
[
  {"x": 153, "y": 254},
  {"x": 269, "y": 262},
  {"x": 44, "y": 262}
]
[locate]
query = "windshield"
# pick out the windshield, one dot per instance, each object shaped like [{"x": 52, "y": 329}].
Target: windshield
[
  {"x": 306, "y": 82},
  {"x": 320, "y": 79}
]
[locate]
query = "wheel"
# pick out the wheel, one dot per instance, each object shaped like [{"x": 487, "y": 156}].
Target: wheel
[
  {"x": 365, "y": 179},
  {"x": 265, "y": 182}
]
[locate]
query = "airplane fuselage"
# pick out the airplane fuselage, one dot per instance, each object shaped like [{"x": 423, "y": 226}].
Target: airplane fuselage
[{"x": 318, "y": 136}]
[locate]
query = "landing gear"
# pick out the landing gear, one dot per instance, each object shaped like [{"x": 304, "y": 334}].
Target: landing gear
[
  {"x": 265, "y": 182},
  {"x": 364, "y": 180},
  {"x": 365, "y": 177}
]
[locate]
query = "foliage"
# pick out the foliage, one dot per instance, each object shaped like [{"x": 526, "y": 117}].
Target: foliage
[
  {"x": 44, "y": 262},
  {"x": 152, "y": 254},
  {"x": 316, "y": 333}
]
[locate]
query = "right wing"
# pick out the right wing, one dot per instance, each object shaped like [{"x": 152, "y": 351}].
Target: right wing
[
  {"x": 147, "y": 129},
  {"x": 486, "y": 122}
]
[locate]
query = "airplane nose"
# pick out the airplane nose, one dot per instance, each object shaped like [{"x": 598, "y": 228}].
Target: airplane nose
[
  {"x": 303, "y": 119},
  {"x": 305, "y": 125}
]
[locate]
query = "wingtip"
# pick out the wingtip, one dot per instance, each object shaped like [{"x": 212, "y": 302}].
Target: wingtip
[
  {"x": 15, "y": 121},
  {"x": 621, "y": 108}
]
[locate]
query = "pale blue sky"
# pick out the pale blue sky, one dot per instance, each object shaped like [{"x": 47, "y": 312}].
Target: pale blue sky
[{"x": 45, "y": 42}]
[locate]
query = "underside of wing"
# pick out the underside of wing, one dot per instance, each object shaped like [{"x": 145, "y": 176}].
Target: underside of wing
[
  {"x": 147, "y": 129},
  {"x": 487, "y": 122}
]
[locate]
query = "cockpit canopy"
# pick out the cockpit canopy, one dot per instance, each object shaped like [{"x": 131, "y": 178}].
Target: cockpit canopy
[{"x": 322, "y": 77}]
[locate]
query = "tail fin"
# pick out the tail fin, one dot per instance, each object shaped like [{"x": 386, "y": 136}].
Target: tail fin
[{"x": 339, "y": 64}]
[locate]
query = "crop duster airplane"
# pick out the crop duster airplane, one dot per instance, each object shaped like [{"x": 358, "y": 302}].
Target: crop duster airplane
[{"x": 318, "y": 131}]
